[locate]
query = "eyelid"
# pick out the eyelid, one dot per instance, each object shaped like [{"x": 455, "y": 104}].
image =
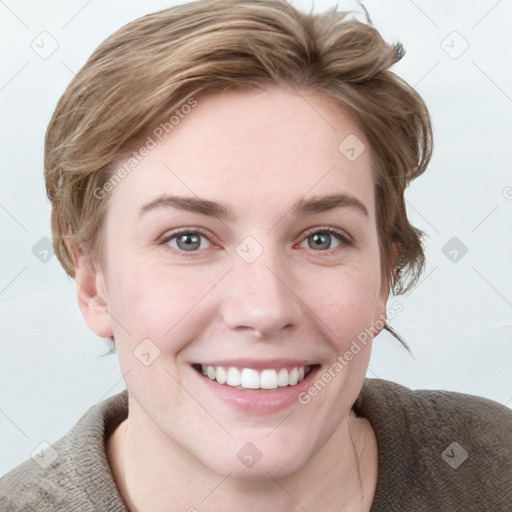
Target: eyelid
[
  {"x": 168, "y": 235},
  {"x": 330, "y": 230}
]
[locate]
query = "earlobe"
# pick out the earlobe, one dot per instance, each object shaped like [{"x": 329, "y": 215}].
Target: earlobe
[{"x": 92, "y": 294}]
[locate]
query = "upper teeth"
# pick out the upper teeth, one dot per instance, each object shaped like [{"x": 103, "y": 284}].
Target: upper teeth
[{"x": 250, "y": 378}]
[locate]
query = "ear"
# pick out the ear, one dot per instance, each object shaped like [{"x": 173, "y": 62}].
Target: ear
[{"x": 92, "y": 293}]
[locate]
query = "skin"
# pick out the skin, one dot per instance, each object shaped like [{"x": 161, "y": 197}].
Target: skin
[{"x": 246, "y": 149}]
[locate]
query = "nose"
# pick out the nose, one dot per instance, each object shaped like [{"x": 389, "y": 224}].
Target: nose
[{"x": 261, "y": 297}]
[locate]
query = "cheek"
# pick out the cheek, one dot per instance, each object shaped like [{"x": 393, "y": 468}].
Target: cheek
[
  {"x": 346, "y": 303},
  {"x": 160, "y": 302}
]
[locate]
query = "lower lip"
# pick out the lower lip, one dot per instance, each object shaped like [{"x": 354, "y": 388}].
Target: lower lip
[{"x": 259, "y": 401}]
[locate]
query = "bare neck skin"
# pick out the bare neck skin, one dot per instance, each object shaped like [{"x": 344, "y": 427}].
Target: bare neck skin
[{"x": 156, "y": 478}]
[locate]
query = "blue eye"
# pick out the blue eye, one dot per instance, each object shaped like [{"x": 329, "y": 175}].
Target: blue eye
[
  {"x": 322, "y": 239},
  {"x": 319, "y": 239},
  {"x": 188, "y": 241}
]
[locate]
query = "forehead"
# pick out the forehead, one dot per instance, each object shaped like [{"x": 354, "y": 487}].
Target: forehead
[{"x": 268, "y": 147}]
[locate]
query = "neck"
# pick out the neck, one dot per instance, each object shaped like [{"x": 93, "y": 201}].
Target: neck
[{"x": 153, "y": 474}]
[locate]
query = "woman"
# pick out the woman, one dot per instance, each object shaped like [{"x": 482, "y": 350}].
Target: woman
[{"x": 227, "y": 183}]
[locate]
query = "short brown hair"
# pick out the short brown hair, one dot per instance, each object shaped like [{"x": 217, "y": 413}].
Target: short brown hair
[{"x": 143, "y": 72}]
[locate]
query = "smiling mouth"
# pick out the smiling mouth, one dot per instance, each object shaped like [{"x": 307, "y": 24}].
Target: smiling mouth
[{"x": 250, "y": 378}]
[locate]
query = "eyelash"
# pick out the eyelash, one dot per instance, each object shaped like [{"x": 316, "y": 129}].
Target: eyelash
[{"x": 344, "y": 239}]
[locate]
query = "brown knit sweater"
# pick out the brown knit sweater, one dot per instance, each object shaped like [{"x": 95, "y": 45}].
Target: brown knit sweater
[{"x": 438, "y": 451}]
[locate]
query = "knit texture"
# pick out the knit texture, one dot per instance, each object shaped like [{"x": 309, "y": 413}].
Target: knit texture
[{"x": 420, "y": 467}]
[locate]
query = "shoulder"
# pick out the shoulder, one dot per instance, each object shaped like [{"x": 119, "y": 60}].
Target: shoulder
[
  {"x": 443, "y": 411},
  {"x": 41, "y": 482},
  {"x": 435, "y": 403},
  {"x": 450, "y": 449},
  {"x": 72, "y": 473}
]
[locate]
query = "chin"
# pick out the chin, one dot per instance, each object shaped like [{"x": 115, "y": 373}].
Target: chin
[{"x": 260, "y": 460}]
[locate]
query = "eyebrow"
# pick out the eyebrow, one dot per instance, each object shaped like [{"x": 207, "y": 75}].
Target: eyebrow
[{"x": 318, "y": 204}]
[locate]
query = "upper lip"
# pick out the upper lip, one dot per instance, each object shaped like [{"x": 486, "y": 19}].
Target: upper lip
[{"x": 258, "y": 364}]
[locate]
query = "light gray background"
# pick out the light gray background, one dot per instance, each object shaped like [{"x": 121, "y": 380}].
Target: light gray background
[{"x": 458, "y": 321}]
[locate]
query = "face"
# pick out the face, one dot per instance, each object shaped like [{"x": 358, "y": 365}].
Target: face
[{"x": 244, "y": 246}]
